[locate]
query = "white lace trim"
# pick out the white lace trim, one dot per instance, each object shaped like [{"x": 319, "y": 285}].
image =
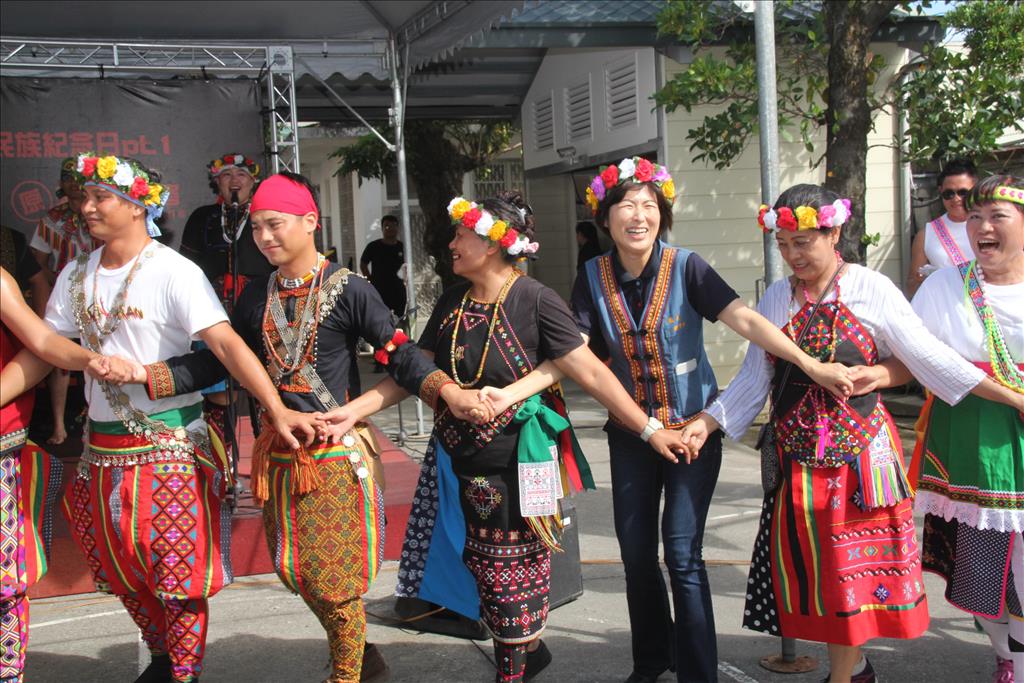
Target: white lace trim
[{"x": 971, "y": 514}]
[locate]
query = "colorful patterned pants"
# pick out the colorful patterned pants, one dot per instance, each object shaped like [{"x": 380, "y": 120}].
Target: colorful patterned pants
[
  {"x": 152, "y": 535},
  {"x": 512, "y": 568},
  {"x": 29, "y": 482},
  {"x": 327, "y": 546}
]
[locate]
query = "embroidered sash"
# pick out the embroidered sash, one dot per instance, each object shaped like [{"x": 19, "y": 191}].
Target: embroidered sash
[{"x": 948, "y": 243}]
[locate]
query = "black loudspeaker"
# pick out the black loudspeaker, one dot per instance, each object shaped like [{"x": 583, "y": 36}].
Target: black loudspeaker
[
  {"x": 566, "y": 586},
  {"x": 566, "y": 577}
]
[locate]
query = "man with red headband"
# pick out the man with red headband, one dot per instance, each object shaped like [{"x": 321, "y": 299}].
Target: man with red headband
[
  {"x": 146, "y": 505},
  {"x": 323, "y": 506}
]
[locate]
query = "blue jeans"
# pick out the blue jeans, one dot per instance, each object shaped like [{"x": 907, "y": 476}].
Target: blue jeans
[{"x": 638, "y": 476}]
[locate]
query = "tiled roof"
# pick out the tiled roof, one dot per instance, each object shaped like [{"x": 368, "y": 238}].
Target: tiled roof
[{"x": 584, "y": 13}]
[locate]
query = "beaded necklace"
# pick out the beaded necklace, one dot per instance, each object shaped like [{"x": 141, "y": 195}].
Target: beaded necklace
[
  {"x": 91, "y": 315},
  {"x": 175, "y": 443},
  {"x": 1006, "y": 371},
  {"x": 490, "y": 331},
  {"x": 293, "y": 282},
  {"x": 298, "y": 338},
  {"x": 238, "y": 227}
]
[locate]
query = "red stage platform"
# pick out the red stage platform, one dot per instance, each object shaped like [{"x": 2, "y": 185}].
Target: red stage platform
[{"x": 68, "y": 573}]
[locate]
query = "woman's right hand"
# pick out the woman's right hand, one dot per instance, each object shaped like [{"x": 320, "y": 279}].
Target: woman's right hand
[
  {"x": 335, "y": 423},
  {"x": 499, "y": 400},
  {"x": 834, "y": 377},
  {"x": 697, "y": 431}
]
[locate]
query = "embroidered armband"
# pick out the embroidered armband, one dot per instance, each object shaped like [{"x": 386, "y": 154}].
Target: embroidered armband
[
  {"x": 430, "y": 389},
  {"x": 159, "y": 381},
  {"x": 383, "y": 354}
]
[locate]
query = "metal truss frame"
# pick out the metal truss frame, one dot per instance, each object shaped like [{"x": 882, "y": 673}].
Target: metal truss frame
[{"x": 271, "y": 64}]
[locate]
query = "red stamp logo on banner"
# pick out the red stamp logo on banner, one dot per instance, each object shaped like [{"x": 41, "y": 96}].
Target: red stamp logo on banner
[{"x": 31, "y": 199}]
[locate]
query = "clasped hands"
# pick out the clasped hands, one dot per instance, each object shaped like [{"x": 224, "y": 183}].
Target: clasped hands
[{"x": 116, "y": 370}]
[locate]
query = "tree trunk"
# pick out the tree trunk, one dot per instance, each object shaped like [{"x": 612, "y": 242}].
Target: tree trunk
[
  {"x": 851, "y": 25},
  {"x": 437, "y": 168}
]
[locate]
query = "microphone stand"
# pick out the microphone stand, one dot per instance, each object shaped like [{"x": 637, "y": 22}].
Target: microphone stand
[
  {"x": 403, "y": 436},
  {"x": 231, "y": 414}
]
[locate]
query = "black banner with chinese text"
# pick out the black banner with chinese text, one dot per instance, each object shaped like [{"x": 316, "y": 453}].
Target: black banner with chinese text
[{"x": 174, "y": 127}]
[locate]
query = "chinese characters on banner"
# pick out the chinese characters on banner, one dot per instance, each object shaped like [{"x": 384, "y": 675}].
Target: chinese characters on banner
[{"x": 173, "y": 127}]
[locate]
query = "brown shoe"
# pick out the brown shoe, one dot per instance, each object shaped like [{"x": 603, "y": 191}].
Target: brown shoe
[{"x": 375, "y": 669}]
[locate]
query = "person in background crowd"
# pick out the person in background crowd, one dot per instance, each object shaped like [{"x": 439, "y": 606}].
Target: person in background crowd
[
  {"x": 971, "y": 487},
  {"x": 60, "y": 237},
  {"x": 382, "y": 261},
  {"x": 218, "y": 238},
  {"x": 146, "y": 504},
  {"x": 589, "y": 244},
  {"x": 944, "y": 242},
  {"x": 18, "y": 260}
]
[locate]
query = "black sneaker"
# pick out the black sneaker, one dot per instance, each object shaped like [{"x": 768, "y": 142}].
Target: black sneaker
[
  {"x": 536, "y": 661},
  {"x": 158, "y": 671}
]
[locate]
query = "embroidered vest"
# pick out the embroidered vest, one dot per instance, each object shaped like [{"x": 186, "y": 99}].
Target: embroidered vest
[
  {"x": 852, "y": 424},
  {"x": 661, "y": 362}
]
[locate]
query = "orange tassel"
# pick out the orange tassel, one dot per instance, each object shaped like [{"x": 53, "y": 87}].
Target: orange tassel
[
  {"x": 305, "y": 475},
  {"x": 259, "y": 480}
]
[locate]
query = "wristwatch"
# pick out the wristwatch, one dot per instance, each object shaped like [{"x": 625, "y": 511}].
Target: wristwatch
[{"x": 653, "y": 425}]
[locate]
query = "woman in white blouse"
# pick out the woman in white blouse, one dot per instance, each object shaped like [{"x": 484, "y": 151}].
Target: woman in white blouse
[
  {"x": 944, "y": 242},
  {"x": 835, "y": 559},
  {"x": 972, "y": 470}
]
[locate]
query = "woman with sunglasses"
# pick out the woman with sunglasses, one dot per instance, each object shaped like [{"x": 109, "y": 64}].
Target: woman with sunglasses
[{"x": 943, "y": 242}]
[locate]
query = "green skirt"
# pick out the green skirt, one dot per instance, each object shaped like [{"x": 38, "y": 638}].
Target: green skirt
[{"x": 973, "y": 467}]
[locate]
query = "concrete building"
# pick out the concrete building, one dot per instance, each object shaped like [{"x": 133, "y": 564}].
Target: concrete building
[{"x": 584, "y": 73}]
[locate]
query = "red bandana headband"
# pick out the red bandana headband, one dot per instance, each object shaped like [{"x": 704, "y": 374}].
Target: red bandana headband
[{"x": 278, "y": 193}]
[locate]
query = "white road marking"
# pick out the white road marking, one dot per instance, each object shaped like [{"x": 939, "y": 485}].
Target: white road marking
[
  {"x": 55, "y": 622},
  {"x": 735, "y": 673},
  {"x": 734, "y": 514}
]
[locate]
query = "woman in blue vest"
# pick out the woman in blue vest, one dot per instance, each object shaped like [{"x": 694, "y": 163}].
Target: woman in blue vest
[{"x": 642, "y": 305}]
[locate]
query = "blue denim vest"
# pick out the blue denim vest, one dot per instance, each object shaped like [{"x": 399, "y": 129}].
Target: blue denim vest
[{"x": 661, "y": 362}]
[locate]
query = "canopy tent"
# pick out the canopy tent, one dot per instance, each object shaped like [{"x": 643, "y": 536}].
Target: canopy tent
[{"x": 278, "y": 42}]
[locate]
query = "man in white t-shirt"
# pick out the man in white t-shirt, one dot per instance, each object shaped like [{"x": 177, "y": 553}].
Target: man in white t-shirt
[
  {"x": 146, "y": 505},
  {"x": 943, "y": 241}
]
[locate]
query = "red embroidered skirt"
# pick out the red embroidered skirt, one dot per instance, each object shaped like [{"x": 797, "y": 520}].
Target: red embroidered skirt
[{"x": 825, "y": 570}]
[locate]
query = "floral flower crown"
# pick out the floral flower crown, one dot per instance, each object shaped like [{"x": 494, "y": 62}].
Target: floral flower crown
[
  {"x": 638, "y": 170},
  {"x": 1001, "y": 193},
  {"x": 221, "y": 164},
  {"x": 127, "y": 179},
  {"x": 478, "y": 219},
  {"x": 804, "y": 217}
]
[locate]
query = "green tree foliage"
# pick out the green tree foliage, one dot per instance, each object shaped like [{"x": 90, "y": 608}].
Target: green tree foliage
[
  {"x": 960, "y": 101},
  {"x": 438, "y": 154},
  {"x": 818, "y": 87}
]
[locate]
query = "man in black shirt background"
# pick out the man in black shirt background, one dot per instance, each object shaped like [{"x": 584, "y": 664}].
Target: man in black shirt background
[{"x": 381, "y": 262}]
